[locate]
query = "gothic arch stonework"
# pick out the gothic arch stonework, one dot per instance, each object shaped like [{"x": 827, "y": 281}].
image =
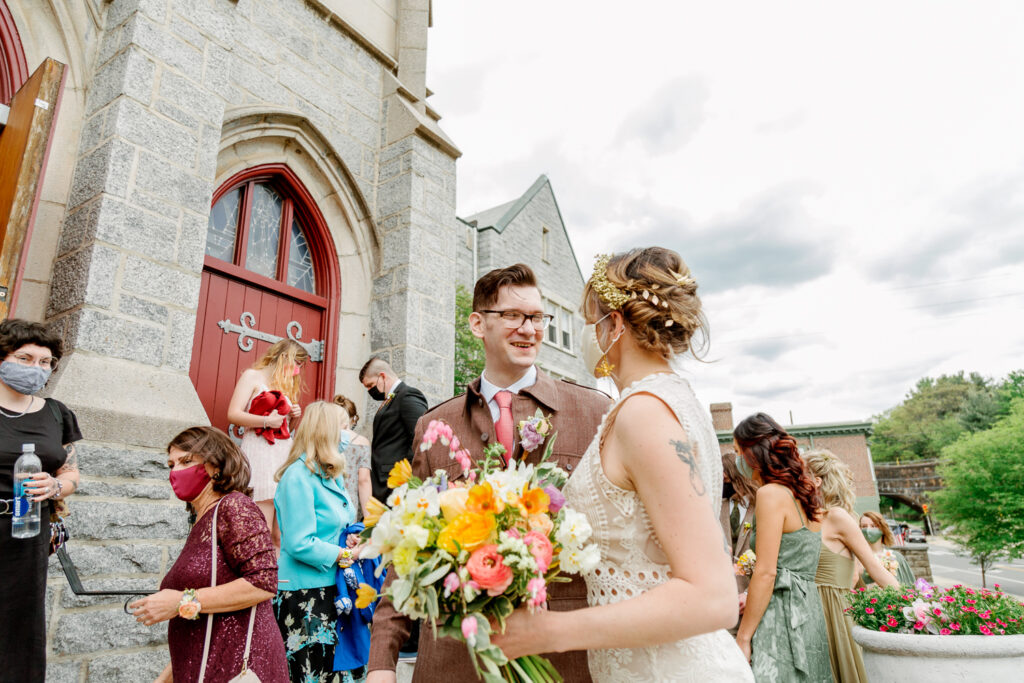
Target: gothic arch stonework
[{"x": 253, "y": 137}]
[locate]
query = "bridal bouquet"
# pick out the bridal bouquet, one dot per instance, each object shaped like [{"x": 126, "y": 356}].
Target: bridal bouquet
[{"x": 468, "y": 552}]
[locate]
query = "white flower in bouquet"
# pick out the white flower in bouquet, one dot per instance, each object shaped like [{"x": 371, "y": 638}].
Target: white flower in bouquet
[
  {"x": 575, "y": 529},
  {"x": 577, "y": 560}
]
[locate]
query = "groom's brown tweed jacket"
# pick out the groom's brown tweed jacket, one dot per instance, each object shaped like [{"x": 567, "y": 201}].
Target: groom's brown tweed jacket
[{"x": 575, "y": 413}]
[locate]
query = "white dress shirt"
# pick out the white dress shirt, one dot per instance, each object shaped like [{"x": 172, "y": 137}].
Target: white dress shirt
[{"x": 488, "y": 390}]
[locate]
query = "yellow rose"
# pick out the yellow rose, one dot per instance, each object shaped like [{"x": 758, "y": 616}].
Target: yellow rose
[
  {"x": 399, "y": 474},
  {"x": 365, "y": 595},
  {"x": 535, "y": 501},
  {"x": 404, "y": 558},
  {"x": 541, "y": 523},
  {"x": 470, "y": 530},
  {"x": 453, "y": 502},
  {"x": 374, "y": 509}
]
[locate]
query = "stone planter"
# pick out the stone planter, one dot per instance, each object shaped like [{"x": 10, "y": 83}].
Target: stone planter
[{"x": 907, "y": 658}]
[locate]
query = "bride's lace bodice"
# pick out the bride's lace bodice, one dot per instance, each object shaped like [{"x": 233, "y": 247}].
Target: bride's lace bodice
[{"x": 632, "y": 560}]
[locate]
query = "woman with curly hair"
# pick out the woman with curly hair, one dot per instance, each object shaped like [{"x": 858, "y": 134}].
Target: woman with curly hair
[
  {"x": 783, "y": 627},
  {"x": 841, "y": 541}
]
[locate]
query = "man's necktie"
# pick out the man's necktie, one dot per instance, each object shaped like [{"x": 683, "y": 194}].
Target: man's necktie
[{"x": 503, "y": 427}]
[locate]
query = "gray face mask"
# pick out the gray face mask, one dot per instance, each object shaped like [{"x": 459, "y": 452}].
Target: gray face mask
[{"x": 25, "y": 379}]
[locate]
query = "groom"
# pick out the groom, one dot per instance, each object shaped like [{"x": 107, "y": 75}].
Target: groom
[{"x": 508, "y": 315}]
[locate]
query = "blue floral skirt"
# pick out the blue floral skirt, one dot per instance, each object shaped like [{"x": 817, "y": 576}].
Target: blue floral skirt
[{"x": 307, "y": 619}]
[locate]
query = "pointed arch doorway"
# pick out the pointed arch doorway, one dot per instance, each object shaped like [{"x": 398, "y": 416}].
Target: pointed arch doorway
[{"x": 270, "y": 272}]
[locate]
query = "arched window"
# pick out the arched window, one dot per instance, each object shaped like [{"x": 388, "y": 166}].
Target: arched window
[
  {"x": 255, "y": 226},
  {"x": 270, "y": 272},
  {"x": 13, "y": 67}
]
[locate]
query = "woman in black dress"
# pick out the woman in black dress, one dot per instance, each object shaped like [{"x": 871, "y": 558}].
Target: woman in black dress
[{"x": 29, "y": 353}]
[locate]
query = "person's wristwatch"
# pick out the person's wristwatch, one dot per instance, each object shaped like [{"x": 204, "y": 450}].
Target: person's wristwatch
[{"x": 188, "y": 606}]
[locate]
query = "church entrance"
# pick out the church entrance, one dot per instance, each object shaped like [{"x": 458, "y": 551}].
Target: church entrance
[{"x": 270, "y": 272}]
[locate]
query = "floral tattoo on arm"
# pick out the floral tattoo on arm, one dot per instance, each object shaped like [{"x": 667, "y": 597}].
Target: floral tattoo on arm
[
  {"x": 685, "y": 453},
  {"x": 71, "y": 464}
]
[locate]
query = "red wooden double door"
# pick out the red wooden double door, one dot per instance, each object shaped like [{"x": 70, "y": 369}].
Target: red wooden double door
[{"x": 270, "y": 272}]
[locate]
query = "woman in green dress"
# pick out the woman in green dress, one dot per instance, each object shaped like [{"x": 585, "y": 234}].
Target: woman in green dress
[
  {"x": 841, "y": 542},
  {"x": 783, "y": 627},
  {"x": 879, "y": 536}
]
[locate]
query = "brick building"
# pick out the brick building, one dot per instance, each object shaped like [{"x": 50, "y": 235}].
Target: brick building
[
  {"x": 848, "y": 440},
  {"x": 530, "y": 230},
  {"x": 220, "y": 174}
]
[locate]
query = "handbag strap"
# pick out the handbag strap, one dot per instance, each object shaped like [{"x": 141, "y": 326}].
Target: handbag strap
[
  {"x": 209, "y": 617},
  {"x": 213, "y": 583}
]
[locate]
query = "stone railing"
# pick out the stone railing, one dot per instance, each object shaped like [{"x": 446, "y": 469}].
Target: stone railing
[{"x": 917, "y": 556}]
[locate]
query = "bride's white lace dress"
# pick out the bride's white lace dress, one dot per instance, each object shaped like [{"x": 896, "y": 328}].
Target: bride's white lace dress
[{"x": 632, "y": 561}]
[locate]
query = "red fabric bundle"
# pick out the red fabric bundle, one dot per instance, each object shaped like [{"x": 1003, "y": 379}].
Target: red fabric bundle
[{"x": 268, "y": 402}]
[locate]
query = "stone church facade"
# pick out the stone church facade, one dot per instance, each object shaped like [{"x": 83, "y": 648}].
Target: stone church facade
[
  {"x": 529, "y": 229},
  {"x": 305, "y": 126}
]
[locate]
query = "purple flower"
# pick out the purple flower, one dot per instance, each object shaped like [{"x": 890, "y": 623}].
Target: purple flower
[
  {"x": 529, "y": 436},
  {"x": 556, "y": 499}
]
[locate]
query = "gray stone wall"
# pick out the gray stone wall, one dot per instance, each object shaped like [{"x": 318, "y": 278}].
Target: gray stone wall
[
  {"x": 164, "y": 77},
  {"x": 917, "y": 557}
]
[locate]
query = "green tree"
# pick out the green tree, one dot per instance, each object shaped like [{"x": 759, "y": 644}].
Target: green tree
[
  {"x": 469, "y": 351},
  {"x": 927, "y": 420},
  {"x": 983, "y": 477}
]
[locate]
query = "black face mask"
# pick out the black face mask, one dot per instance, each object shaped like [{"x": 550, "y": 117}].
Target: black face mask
[
  {"x": 728, "y": 490},
  {"x": 375, "y": 393}
]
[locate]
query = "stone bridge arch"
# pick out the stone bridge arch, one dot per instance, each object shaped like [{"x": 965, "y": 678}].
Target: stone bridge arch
[{"x": 908, "y": 482}]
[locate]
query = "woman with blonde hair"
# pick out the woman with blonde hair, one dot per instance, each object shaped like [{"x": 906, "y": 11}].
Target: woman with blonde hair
[
  {"x": 879, "y": 536},
  {"x": 313, "y": 507},
  {"x": 266, "y": 397},
  {"x": 841, "y": 540}
]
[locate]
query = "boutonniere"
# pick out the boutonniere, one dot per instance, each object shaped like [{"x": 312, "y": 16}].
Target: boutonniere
[
  {"x": 746, "y": 526},
  {"x": 387, "y": 399},
  {"x": 533, "y": 431}
]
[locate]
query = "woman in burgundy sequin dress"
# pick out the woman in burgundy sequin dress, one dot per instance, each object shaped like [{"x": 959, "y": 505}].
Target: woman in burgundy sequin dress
[{"x": 207, "y": 469}]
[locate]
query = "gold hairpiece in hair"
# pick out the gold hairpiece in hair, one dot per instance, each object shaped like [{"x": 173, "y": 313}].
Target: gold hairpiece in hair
[
  {"x": 609, "y": 293},
  {"x": 682, "y": 280}
]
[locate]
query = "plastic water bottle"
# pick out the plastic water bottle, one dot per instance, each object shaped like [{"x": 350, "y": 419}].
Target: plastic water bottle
[{"x": 26, "y": 511}]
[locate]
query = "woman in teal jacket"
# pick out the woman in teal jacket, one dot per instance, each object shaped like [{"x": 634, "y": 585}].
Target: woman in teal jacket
[{"x": 313, "y": 507}]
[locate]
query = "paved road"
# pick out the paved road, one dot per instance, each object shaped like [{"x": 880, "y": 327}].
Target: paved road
[{"x": 951, "y": 565}]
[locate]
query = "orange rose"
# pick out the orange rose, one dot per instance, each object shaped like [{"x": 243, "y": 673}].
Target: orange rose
[
  {"x": 535, "y": 501},
  {"x": 482, "y": 500},
  {"x": 541, "y": 523},
  {"x": 470, "y": 530}
]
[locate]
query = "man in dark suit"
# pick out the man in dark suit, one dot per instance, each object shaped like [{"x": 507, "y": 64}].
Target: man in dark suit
[
  {"x": 508, "y": 315},
  {"x": 394, "y": 424}
]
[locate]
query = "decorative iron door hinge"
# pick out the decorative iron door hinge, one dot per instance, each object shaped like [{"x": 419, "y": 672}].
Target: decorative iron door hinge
[{"x": 247, "y": 332}]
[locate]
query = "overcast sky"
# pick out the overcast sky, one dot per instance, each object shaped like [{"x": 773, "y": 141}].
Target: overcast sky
[{"x": 846, "y": 183}]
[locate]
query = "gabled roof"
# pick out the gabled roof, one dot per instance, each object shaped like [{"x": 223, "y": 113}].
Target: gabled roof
[{"x": 497, "y": 218}]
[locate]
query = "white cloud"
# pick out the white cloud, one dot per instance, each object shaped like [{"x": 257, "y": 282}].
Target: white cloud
[{"x": 843, "y": 174}]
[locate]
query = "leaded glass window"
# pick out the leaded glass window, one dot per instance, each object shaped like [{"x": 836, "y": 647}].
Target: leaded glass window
[
  {"x": 300, "y": 261},
  {"x": 223, "y": 226},
  {"x": 264, "y": 231},
  {"x": 260, "y": 226}
]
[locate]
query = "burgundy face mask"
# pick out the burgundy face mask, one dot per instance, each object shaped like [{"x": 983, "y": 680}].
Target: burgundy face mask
[{"x": 189, "y": 482}]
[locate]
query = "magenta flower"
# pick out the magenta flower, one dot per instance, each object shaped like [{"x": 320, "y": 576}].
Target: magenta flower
[
  {"x": 944, "y": 631},
  {"x": 869, "y": 610}
]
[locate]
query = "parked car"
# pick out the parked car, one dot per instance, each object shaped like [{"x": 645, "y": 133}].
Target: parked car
[{"x": 916, "y": 536}]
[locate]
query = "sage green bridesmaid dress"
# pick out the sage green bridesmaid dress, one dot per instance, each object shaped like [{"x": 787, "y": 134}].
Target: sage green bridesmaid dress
[
  {"x": 790, "y": 644},
  {"x": 834, "y": 579}
]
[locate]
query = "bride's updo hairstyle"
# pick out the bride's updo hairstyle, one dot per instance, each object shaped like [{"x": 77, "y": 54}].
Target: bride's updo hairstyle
[
  {"x": 776, "y": 456},
  {"x": 657, "y": 296}
]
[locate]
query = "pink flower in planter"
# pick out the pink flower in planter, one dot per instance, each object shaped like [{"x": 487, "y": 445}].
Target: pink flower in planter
[
  {"x": 892, "y": 622},
  {"x": 869, "y": 610},
  {"x": 944, "y": 631},
  {"x": 919, "y": 625},
  {"x": 882, "y": 628},
  {"x": 985, "y": 630}
]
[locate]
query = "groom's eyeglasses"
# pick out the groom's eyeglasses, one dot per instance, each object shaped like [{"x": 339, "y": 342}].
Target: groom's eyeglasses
[{"x": 515, "y": 319}]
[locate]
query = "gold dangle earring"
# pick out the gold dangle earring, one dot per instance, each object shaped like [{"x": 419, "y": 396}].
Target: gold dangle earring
[{"x": 605, "y": 367}]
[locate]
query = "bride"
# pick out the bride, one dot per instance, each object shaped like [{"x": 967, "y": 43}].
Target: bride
[{"x": 664, "y": 591}]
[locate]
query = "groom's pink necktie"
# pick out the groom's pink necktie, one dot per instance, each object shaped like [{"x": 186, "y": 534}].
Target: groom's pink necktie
[{"x": 503, "y": 427}]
